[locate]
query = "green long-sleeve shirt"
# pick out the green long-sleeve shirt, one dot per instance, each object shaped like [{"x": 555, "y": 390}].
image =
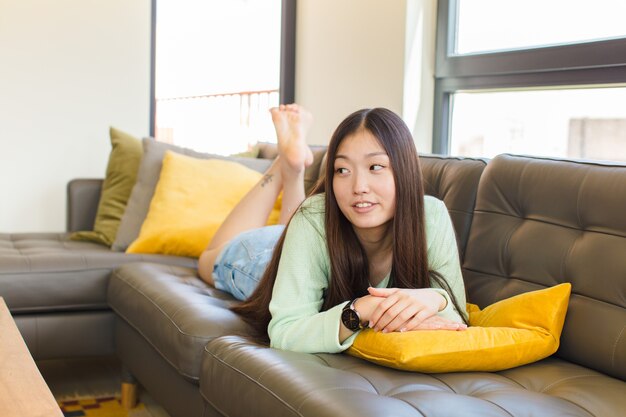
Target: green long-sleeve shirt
[{"x": 304, "y": 273}]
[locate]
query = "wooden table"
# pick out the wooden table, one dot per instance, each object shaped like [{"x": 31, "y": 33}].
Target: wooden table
[{"x": 23, "y": 392}]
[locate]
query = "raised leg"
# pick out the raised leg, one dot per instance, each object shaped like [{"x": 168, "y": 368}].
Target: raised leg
[
  {"x": 292, "y": 123},
  {"x": 286, "y": 174},
  {"x": 253, "y": 209}
]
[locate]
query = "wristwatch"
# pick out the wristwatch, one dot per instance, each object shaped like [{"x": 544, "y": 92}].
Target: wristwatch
[{"x": 350, "y": 317}]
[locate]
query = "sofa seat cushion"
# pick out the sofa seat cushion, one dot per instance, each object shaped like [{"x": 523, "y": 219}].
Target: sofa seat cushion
[
  {"x": 43, "y": 272},
  {"x": 173, "y": 310},
  {"x": 295, "y": 384}
]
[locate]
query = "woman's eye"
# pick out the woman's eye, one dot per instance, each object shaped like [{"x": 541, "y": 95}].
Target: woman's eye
[
  {"x": 376, "y": 167},
  {"x": 341, "y": 170}
]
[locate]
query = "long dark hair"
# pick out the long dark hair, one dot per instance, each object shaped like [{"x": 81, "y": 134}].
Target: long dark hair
[{"x": 349, "y": 266}]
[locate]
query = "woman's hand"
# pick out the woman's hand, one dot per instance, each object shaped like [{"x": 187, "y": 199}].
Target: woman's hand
[
  {"x": 437, "y": 323},
  {"x": 407, "y": 309}
]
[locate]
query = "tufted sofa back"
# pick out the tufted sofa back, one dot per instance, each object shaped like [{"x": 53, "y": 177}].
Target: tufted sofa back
[
  {"x": 539, "y": 222},
  {"x": 455, "y": 181}
]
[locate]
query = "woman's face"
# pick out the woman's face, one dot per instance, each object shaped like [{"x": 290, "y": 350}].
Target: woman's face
[{"x": 363, "y": 184}]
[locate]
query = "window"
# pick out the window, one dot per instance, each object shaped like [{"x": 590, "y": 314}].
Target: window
[
  {"x": 218, "y": 66},
  {"x": 492, "y": 25},
  {"x": 555, "y": 90},
  {"x": 574, "y": 123}
]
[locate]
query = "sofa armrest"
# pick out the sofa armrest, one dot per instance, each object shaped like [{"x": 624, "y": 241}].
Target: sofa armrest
[{"x": 83, "y": 196}]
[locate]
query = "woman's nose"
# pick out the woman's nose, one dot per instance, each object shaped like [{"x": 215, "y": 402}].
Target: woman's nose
[{"x": 360, "y": 185}]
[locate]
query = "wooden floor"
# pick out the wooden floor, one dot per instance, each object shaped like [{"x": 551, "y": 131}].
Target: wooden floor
[{"x": 76, "y": 378}]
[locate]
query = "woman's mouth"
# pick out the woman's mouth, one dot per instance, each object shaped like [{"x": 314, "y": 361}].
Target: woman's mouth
[{"x": 363, "y": 206}]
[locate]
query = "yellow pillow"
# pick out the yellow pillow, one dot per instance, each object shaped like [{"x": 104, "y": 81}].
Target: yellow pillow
[
  {"x": 191, "y": 200},
  {"x": 512, "y": 332}
]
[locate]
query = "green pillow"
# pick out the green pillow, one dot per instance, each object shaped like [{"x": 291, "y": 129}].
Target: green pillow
[{"x": 120, "y": 178}]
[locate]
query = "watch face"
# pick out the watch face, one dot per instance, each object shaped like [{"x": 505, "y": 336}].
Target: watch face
[{"x": 350, "y": 319}]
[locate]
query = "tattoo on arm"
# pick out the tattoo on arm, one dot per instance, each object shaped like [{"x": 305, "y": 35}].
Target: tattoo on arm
[{"x": 267, "y": 178}]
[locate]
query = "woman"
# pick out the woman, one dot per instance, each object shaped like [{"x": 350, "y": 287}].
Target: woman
[{"x": 370, "y": 251}]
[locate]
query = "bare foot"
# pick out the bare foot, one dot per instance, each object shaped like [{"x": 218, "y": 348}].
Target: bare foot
[{"x": 292, "y": 123}]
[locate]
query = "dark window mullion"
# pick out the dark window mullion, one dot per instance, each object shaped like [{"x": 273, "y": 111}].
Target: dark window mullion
[
  {"x": 446, "y": 12},
  {"x": 600, "y": 54},
  {"x": 441, "y": 120},
  {"x": 153, "y": 69},
  {"x": 583, "y": 77},
  {"x": 288, "y": 52}
]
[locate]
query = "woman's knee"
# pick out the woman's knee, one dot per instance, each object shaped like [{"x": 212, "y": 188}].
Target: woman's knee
[{"x": 206, "y": 262}]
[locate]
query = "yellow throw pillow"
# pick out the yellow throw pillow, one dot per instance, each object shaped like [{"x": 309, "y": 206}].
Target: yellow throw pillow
[
  {"x": 121, "y": 174},
  {"x": 191, "y": 200},
  {"x": 512, "y": 332}
]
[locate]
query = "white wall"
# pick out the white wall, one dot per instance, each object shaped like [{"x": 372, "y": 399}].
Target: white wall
[
  {"x": 68, "y": 70},
  {"x": 71, "y": 68},
  {"x": 349, "y": 55}
]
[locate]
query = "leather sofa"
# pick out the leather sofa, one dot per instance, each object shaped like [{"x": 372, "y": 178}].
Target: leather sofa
[
  {"x": 522, "y": 223},
  {"x": 56, "y": 288},
  {"x": 536, "y": 222}
]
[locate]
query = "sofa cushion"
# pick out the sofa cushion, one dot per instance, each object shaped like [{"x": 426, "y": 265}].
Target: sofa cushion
[
  {"x": 509, "y": 333},
  {"x": 173, "y": 310},
  {"x": 190, "y": 202},
  {"x": 542, "y": 221},
  {"x": 286, "y": 383},
  {"x": 41, "y": 272},
  {"x": 147, "y": 178}
]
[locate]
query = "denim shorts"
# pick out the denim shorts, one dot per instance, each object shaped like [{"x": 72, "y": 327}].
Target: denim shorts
[{"x": 241, "y": 264}]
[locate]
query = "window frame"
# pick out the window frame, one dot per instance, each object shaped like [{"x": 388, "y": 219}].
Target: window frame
[
  {"x": 287, "y": 78},
  {"x": 592, "y": 63}
]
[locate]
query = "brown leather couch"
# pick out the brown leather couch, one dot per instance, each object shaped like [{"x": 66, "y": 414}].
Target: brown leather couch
[
  {"x": 522, "y": 224},
  {"x": 56, "y": 288},
  {"x": 536, "y": 222}
]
